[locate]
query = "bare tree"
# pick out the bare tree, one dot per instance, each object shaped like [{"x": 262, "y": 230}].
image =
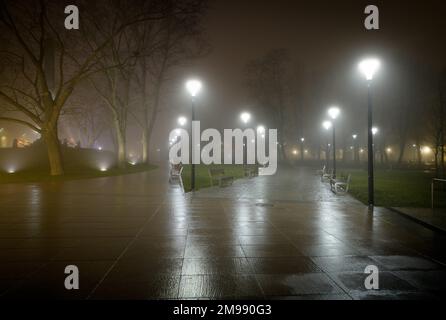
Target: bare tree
[
  {"x": 269, "y": 83},
  {"x": 165, "y": 47},
  {"x": 45, "y": 62}
]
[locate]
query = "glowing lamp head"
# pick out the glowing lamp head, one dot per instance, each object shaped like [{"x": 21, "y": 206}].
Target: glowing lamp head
[
  {"x": 193, "y": 87},
  {"x": 369, "y": 67},
  {"x": 334, "y": 112},
  {"x": 375, "y": 130},
  {"x": 355, "y": 136},
  {"x": 302, "y": 139},
  {"x": 294, "y": 152},
  {"x": 103, "y": 169},
  {"x": 327, "y": 125},
  {"x": 426, "y": 150},
  {"x": 245, "y": 117},
  {"x": 182, "y": 121}
]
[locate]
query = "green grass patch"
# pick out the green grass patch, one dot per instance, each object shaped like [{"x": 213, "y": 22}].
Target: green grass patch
[
  {"x": 71, "y": 173},
  {"x": 202, "y": 179},
  {"x": 394, "y": 188}
]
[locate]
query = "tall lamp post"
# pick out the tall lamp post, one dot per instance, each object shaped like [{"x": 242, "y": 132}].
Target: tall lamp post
[
  {"x": 368, "y": 68},
  {"x": 302, "y": 152},
  {"x": 334, "y": 112},
  {"x": 194, "y": 88},
  {"x": 355, "y": 146},
  {"x": 245, "y": 117},
  {"x": 327, "y": 126}
]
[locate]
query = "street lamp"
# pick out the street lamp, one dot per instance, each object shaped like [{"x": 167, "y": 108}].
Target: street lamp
[
  {"x": 182, "y": 121},
  {"x": 245, "y": 117},
  {"x": 368, "y": 68},
  {"x": 355, "y": 146},
  {"x": 327, "y": 126},
  {"x": 334, "y": 112},
  {"x": 302, "y": 154},
  {"x": 194, "y": 88}
]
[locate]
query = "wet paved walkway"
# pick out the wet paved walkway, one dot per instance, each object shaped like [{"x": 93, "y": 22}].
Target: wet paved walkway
[{"x": 135, "y": 237}]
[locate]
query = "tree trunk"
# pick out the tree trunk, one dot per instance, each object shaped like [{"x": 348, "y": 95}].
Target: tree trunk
[
  {"x": 145, "y": 145},
  {"x": 401, "y": 154},
  {"x": 54, "y": 153},
  {"x": 120, "y": 140}
]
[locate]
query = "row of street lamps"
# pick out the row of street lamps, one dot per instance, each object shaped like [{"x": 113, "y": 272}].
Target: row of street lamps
[
  {"x": 194, "y": 87},
  {"x": 367, "y": 67}
]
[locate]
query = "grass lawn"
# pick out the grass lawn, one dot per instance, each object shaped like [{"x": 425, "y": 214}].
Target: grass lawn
[
  {"x": 394, "y": 188},
  {"x": 71, "y": 173},
  {"x": 202, "y": 176}
]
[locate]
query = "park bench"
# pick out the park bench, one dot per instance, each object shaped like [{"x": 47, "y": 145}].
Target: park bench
[
  {"x": 175, "y": 173},
  {"x": 220, "y": 176},
  {"x": 251, "y": 171},
  {"x": 341, "y": 185},
  {"x": 327, "y": 176}
]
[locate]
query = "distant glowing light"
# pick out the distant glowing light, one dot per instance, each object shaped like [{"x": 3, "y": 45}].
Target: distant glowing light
[
  {"x": 294, "y": 152},
  {"x": 261, "y": 129},
  {"x": 355, "y": 136},
  {"x": 302, "y": 139},
  {"x": 369, "y": 67},
  {"x": 327, "y": 125},
  {"x": 361, "y": 151},
  {"x": 245, "y": 116},
  {"x": 103, "y": 169},
  {"x": 11, "y": 171},
  {"x": 414, "y": 145},
  {"x": 193, "y": 87},
  {"x": 100, "y": 148},
  {"x": 182, "y": 121},
  {"x": 351, "y": 147},
  {"x": 389, "y": 150},
  {"x": 305, "y": 151},
  {"x": 426, "y": 150},
  {"x": 334, "y": 112},
  {"x": 133, "y": 163},
  {"x": 375, "y": 130}
]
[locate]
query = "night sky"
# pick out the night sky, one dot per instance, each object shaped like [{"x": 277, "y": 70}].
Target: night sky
[{"x": 325, "y": 40}]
